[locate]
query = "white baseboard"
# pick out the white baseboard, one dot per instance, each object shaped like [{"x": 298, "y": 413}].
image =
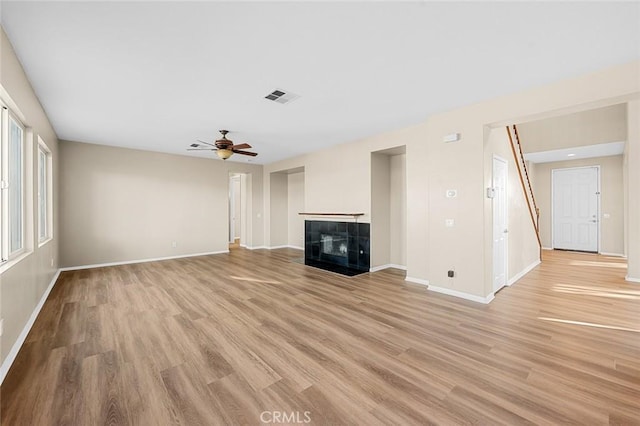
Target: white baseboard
[
  {"x": 547, "y": 248},
  {"x": 522, "y": 273},
  {"x": 604, "y": 253},
  {"x": 417, "y": 280},
  {"x": 129, "y": 262},
  {"x": 254, "y": 248},
  {"x": 388, "y": 265},
  {"x": 631, "y": 279},
  {"x": 11, "y": 356},
  {"x": 462, "y": 295},
  {"x": 284, "y": 246}
]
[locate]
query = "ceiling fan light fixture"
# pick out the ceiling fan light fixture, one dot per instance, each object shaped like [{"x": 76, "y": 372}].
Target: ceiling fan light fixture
[{"x": 224, "y": 153}]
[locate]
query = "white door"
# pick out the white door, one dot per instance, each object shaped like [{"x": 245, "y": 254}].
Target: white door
[
  {"x": 500, "y": 222},
  {"x": 575, "y": 208}
]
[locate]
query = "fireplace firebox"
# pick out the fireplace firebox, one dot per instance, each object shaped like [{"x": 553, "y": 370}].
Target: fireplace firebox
[{"x": 341, "y": 247}]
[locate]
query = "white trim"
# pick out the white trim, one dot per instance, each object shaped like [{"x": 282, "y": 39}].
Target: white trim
[
  {"x": 417, "y": 280},
  {"x": 462, "y": 295},
  {"x": 522, "y": 273},
  {"x": 631, "y": 279},
  {"x": 604, "y": 253},
  {"x": 5, "y": 266},
  {"x": 254, "y": 248},
  {"x": 129, "y": 262},
  {"x": 387, "y": 266},
  {"x": 11, "y": 356},
  {"x": 283, "y": 246},
  {"x": 547, "y": 248}
]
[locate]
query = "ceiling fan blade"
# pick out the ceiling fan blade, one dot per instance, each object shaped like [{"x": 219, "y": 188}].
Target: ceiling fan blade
[
  {"x": 208, "y": 143},
  {"x": 201, "y": 149},
  {"x": 253, "y": 154},
  {"x": 242, "y": 146}
]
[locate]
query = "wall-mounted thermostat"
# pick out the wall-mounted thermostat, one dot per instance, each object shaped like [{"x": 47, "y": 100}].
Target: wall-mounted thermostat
[
  {"x": 452, "y": 137},
  {"x": 451, "y": 193}
]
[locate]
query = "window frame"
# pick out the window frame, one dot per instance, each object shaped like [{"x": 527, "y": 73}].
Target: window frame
[
  {"x": 43, "y": 149},
  {"x": 6, "y": 255}
]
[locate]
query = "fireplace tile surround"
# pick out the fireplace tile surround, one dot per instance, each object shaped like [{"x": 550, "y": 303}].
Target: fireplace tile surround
[{"x": 341, "y": 247}]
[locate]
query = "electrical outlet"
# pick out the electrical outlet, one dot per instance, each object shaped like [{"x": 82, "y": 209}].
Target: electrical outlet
[
  {"x": 52, "y": 262},
  {"x": 451, "y": 273},
  {"x": 174, "y": 244},
  {"x": 1, "y": 326},
  {"x": 449, "y": 223}
]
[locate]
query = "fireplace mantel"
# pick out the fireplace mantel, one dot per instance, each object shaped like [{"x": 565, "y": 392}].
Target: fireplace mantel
[{"x": 332, "y": 214}]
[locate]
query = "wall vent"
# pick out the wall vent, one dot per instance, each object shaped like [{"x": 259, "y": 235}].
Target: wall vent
[{"x": 282, "y": 97}]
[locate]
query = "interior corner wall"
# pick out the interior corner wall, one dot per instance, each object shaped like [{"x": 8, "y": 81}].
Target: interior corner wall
[
  {"x": 25, "y": 283},
  {"x": 398, "y": 210},
  {"x": 125, "y": 205},
  {"x": 522, "y": 242},
  {"x": 380, "y": 210},
  {"x": 611, "y": 200},
  {"x": 295, "y": 205},
  {"x": 279, "y": 210},
  {"x": 633, "y": 193}
]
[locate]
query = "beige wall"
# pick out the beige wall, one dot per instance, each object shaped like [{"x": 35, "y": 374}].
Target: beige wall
[
  {"x": 23, "y": 285},
  {"x": 523, "y": 249},
  {"x": 611, "y": 200},
  {"x": 633, "y": 190},
  {"x": 279, "y": 210},
  {"x": 591, "y": 127},
  {"x": 295, "y": 201},
  {"x": 434, "y": 166},
  {"x": 398, "y": 210},
  {"x": 380, "y": 210},
  {"x": 123, "y": 204}
]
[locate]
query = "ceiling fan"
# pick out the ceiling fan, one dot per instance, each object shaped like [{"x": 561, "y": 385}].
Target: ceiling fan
[{"x": 224, "y": 147}]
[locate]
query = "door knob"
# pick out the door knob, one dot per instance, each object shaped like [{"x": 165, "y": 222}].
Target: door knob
[{"x": 506, "y": 231}]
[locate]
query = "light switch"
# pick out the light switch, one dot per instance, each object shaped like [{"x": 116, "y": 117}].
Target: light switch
[
  {"x": 449, "y": 223},
  {"x": 606, "y": 215}
]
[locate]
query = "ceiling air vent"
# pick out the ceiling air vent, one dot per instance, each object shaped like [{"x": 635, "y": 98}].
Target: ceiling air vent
[{"x": 281, "y": 97}]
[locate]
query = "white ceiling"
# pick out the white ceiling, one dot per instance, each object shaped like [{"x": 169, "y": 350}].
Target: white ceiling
[
  {"x": 159, "y": 75},
  {"x": 576, "y": 153}
]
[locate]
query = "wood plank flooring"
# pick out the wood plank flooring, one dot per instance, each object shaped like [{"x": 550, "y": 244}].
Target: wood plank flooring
[{"x": 219, "y": 340}]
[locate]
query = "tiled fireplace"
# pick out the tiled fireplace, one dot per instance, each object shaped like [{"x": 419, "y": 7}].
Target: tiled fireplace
[{"x": 341, "y": 247}]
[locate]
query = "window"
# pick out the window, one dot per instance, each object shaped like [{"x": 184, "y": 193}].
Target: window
[
  {"x": 12, "y": 183},
  {"x": 44, "y": 193}
]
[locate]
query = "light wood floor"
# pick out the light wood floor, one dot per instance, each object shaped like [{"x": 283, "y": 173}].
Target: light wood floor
[{"x": 219, "y": 339}]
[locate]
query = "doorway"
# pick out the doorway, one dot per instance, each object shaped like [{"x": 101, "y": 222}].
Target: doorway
[
  {"x": 235, "y": 207},
  {"x": 575, "y": 208},
  {"x": 500, "y": 206},
  {"x": 239, "y": 223}
]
